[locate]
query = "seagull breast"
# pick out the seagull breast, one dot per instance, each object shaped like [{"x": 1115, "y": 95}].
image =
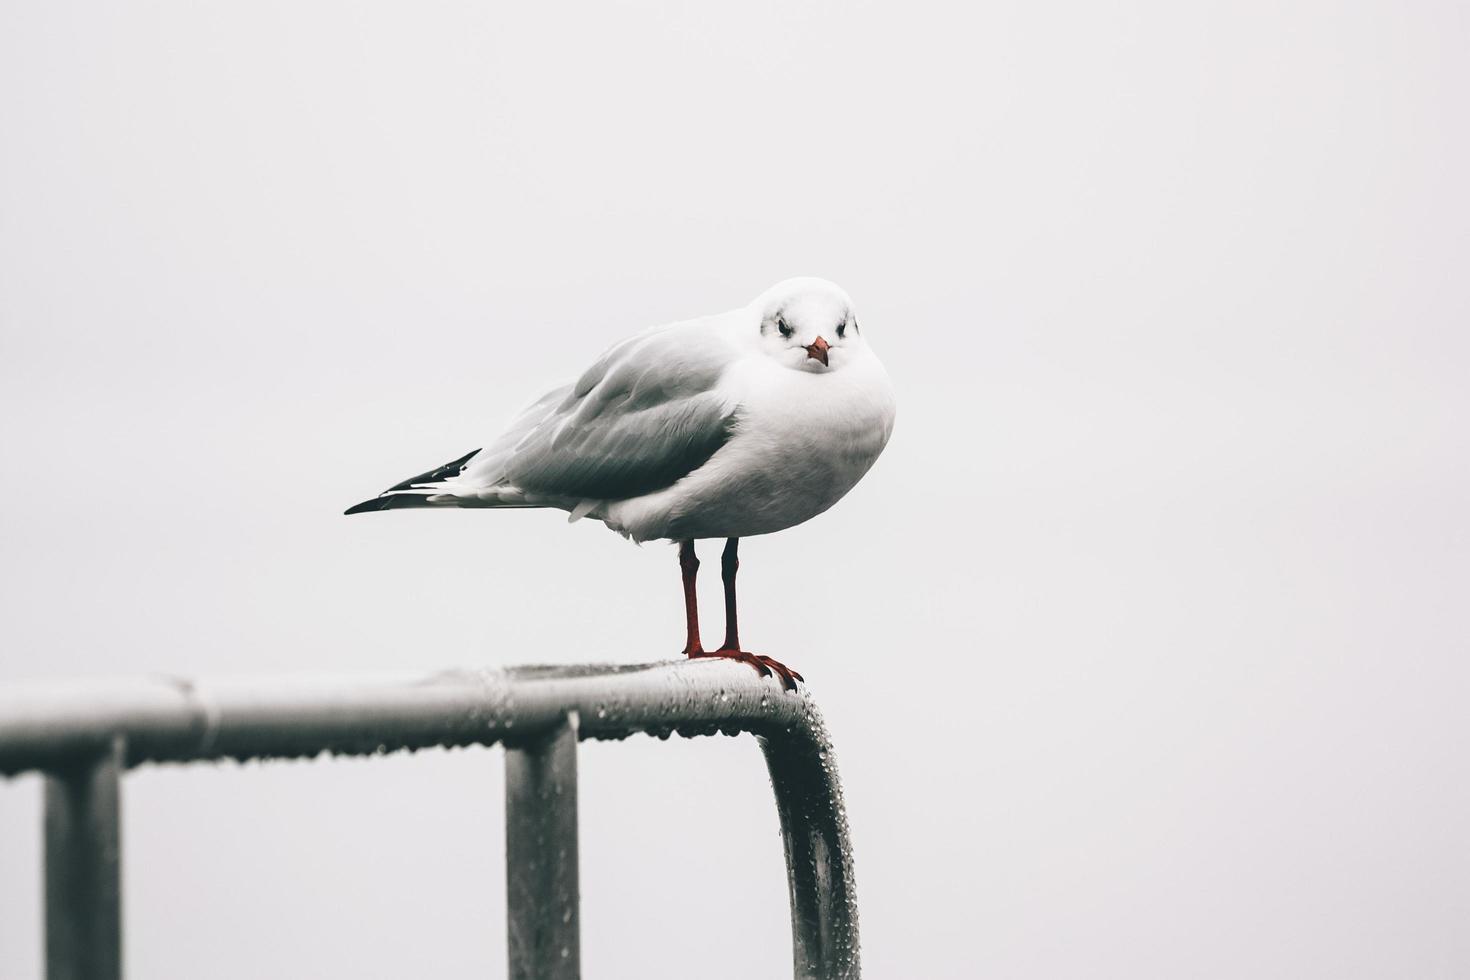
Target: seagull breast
[{"x": 798, "y": 443}]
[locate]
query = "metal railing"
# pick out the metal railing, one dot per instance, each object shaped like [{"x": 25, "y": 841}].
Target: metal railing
[{"x": 84, "y": 736}]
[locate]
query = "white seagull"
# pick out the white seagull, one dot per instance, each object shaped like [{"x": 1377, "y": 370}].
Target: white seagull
[{"x": 726, "y": 426}]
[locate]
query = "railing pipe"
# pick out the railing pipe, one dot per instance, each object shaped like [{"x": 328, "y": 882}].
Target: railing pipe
[
  {"x": 83, "y": 869},
  {"x": 824, "y": 933},
  {"x": 542, "y": 897},
  {"x": 64, "y": 731}
]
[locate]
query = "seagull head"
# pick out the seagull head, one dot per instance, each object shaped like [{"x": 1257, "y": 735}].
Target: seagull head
[{"x": 807, "y": 325}]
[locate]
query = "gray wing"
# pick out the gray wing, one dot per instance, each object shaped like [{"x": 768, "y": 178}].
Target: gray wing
[{"x": 640, "y": 419}]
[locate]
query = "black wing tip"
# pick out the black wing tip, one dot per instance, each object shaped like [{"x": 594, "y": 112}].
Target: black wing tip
[
  {"x": 391, "y": 501},
  {"x": 449, "y": 469}
]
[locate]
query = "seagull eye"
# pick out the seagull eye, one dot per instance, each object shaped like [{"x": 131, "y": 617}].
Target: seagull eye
[
  {"x": 782, "y": 326},
  {"x": 842, "y": 330}
]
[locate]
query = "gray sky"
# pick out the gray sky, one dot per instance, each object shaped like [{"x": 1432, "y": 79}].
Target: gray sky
[{"x": 1144, "y": 646}]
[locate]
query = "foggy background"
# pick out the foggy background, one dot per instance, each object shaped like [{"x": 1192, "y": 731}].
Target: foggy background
[{"x": 1144, "y": 647}]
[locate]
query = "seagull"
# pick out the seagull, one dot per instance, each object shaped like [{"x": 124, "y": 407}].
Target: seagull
[{"x": 727, "y": 426}]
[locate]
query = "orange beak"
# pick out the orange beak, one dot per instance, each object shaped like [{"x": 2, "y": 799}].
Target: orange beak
[{"x": 818, "y": 349}]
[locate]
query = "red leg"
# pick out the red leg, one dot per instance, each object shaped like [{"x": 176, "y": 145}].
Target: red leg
[
  {"x": 729, "y": 565},
  {"x": 689, "y": 567}
]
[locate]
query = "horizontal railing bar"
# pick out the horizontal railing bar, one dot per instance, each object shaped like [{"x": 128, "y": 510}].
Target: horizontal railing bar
[{"x": 44, "y": 725}]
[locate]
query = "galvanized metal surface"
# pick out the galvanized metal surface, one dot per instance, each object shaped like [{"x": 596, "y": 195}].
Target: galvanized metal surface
[
  {"x": 819, "y": 874},
  {"x": 55, "y": 728},
  {"x": 83, "y": 873},
  {"x": 542, "y": 897}
]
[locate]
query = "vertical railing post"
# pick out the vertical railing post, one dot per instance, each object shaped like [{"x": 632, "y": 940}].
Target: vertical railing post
[
  {"x": 542, "y": 897},
  {"x": 83, "y": 869},
  {"x": 824, "y": 918}
]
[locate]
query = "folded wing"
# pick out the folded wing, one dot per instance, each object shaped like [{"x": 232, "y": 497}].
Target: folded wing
[{"x": 648, "y": 413}]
